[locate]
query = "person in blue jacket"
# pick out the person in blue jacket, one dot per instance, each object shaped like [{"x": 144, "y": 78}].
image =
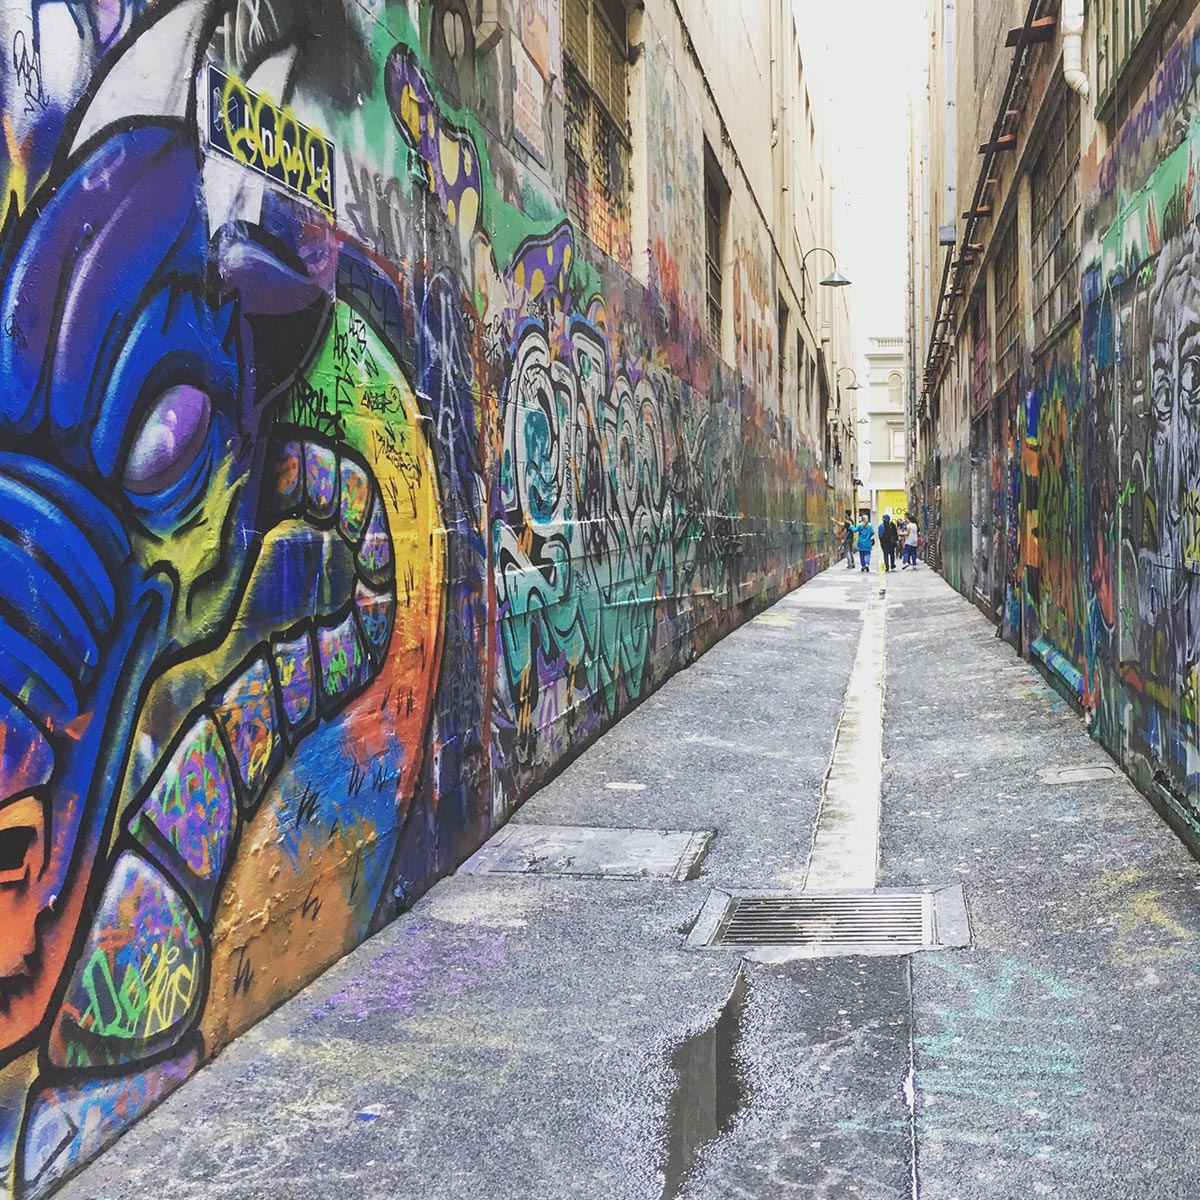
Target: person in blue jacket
[{"x": 866, "y": 539}]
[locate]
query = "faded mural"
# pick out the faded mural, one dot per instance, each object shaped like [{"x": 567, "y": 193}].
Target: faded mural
[{"x": 344, "y": 490}]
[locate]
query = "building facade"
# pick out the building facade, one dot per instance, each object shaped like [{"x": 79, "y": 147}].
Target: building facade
[
  {"x": 391, "y": 395},
  {"x": 1056, "y": 462},
  {"x": 883, "y": 439}
]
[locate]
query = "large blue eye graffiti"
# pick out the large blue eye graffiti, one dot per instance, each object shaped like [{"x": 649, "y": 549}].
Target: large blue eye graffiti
[{"x": 172, "y": 434}]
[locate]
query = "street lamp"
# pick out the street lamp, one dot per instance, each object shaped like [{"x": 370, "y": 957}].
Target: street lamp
[
  {"x": 834, "y": 279},
  {"x": 853, "y": 385}
]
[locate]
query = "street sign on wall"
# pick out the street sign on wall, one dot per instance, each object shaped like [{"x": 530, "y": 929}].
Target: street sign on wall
[{"x": 253, "y": 130}]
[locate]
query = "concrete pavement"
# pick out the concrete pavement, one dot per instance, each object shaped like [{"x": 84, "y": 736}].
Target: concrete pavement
[{"x": 538, "y": 1034}]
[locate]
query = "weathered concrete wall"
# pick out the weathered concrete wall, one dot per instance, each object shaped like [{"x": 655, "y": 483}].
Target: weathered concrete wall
[{"x": 345, "y": 491}]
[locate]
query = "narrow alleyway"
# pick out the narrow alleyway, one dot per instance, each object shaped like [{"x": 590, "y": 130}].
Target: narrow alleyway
[{"x": 538, "y": 1026}]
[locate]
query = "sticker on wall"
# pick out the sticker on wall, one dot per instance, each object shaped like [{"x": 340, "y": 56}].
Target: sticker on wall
[{"x": 251, "y": 129}]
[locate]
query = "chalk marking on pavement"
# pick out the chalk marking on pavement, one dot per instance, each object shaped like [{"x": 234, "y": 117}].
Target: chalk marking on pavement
[
  {"x": 845, "y": 845},
  {"x": 910, "y": 1090}
]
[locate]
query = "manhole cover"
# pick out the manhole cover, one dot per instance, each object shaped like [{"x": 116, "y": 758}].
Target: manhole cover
[
  {"x": 884, "y": 921},
  {"x": 1087, "y": 774},
  {"x": 527, "y": 849}
]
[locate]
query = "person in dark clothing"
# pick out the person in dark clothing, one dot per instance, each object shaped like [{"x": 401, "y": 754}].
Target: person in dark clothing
[
  {"x": 846, "y": 529},
  {"x": 889, "y": 539}
]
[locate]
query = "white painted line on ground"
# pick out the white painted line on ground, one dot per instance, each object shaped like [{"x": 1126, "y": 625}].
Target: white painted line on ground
[{"x": 845, "y": 847}]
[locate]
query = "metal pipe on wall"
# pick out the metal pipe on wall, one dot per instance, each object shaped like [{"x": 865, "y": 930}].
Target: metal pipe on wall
[{"x": 1072, "y": 27}]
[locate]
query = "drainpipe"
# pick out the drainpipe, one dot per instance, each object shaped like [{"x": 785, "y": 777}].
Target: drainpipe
[
  {"x": 776, "y": 48},
  {"x": 1072, "y": 26}
]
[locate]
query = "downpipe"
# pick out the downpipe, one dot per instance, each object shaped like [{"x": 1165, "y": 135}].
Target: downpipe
[{"x": 1072, "y": 26}]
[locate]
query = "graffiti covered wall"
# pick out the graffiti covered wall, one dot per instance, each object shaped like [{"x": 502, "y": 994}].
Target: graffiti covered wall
[
  {"x": 1136, "y": 610},
  {"x": 345, "y": 491},
  {"x": 1100, "y": 474}
]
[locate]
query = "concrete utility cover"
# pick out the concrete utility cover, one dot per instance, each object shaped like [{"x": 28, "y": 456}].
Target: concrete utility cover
[
  {"x": 1090, "y": 774},
  {"x": 820, "y": 925},
  {"x": 589, "y": 850}
]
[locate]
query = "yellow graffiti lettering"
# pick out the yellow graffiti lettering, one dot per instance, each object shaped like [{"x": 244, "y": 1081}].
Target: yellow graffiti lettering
[
  {"x": 169, "y": 987},
  {"x": 266, "y": 137},
  {"x": 1191, "y": 528}
]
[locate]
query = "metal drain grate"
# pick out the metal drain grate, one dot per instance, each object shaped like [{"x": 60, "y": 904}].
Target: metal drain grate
[
  {"x": 884, "y": 921},
  {"x": 893, "y": 921}
]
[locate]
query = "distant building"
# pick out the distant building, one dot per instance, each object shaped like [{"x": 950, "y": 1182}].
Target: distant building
[{"x": 881, "y": 425}]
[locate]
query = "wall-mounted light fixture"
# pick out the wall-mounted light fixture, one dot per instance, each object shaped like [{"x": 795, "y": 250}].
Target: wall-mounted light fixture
[
  {"x": 853, "y": 385},
  {"x": 834, "y": 279}
]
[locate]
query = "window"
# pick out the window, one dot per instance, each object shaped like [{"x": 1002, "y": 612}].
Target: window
[
  {"x": 981, "y": 370},
  {"x": 1008, "y": 306},
  {"x": 596, "y": 122},
  {"x": 1054, "y": 183},
  {"x": 816, "y": 408},
  {"x": 715, "y": 203},
  {"x": 781, "y": 342},
  {"x": 897, "y": 443},
  {"x": 1131, "y": 44},
  {"x": 803, "y": 414},
  {"x": 1120, "y": 29}
]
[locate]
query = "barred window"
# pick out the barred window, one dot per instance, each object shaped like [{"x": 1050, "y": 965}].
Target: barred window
[
  {"x": 1008, "y": 306},
  {"x": 1054, "y": 182},
  {"x": 595, "y": 77}
]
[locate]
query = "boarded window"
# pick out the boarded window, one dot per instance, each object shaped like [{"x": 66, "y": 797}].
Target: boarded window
[
  {"x": 596, "y": 122},
  {"x": 1054, "y": 183},
  {"x": 1008, "y": 306}
]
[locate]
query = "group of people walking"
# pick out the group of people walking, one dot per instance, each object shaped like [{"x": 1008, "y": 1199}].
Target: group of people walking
[{"x": 893, "y": 535}]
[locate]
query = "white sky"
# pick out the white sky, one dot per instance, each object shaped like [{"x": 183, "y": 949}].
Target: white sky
[{"x": 862, "y": 57}]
